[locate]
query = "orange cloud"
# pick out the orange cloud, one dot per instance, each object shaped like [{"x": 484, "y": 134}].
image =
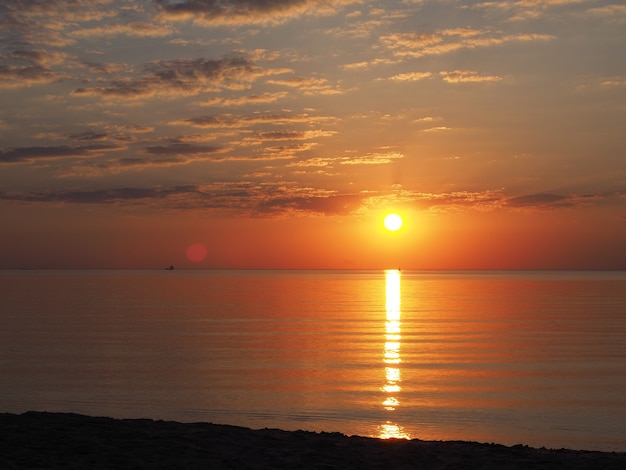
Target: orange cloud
[
  {"x": 415, "y": 45},
  {"x": 467, "y": 76},
  {"x": 137, "y": 28}
]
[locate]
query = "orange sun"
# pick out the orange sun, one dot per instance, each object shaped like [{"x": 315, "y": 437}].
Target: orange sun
[{"x": 393, "y": 222}]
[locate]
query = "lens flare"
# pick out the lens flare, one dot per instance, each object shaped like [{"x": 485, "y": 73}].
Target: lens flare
[{"x": 196, "y": 252}]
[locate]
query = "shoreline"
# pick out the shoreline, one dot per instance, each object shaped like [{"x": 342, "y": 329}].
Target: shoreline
[{"x": 65, "y": 440}]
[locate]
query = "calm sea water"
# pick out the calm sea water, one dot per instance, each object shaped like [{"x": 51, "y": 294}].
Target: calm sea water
[{"x": 507, "y": 357}]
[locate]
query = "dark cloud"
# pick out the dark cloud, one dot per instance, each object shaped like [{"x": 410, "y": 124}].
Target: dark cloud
[
  {"x": 47, "y": 22},
  {"x": 105, "y": 68},
  {"x": 289, "y": 150},
  {"x": 480, "y": 200},
  {"x": 341, "y": 204},
  {"x": 26, "y": 67},
  {"x": 136, "y": 28},
  {"x": 184, "y": 76},
  {"x": 490, "y": 200},
  {"x": 265, "y": 200},
  {"x": 183, "y": 73},
  {"x": 276, "y": 199},
  {"x": 540, "y": 200},
  {"x": 89, "y": 136},
  {"x": 20, "y": 76},
  {"x": 282, "y": 135},
  {"x": 27, "y": 154},
  {"x": 113, "y": 195},
  {"x": 127, "y": 195},
  {"x": 121, "y": 88},
  {"x": 233, "y": 12},
  {"x": 124, "y": 133},
  {"x": 237, "y": 121},
  {"x": 98, "y": 196},
  {"x": 183, "y": 149}
]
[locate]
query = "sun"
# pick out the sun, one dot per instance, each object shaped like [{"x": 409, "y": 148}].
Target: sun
[{"x": 393, "y": 222}]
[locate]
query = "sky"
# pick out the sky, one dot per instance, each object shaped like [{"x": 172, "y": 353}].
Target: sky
[{"x": 279, "y": 133}]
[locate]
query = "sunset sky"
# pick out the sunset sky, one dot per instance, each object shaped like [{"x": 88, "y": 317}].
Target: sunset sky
[{"x": 278, "y": 134}]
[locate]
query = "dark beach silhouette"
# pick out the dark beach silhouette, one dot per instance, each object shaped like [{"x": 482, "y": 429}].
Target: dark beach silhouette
[{"x": 68, "y": 441}]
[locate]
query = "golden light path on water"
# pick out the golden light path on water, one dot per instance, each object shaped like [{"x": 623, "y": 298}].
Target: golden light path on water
[{"x": 391, "y": 357}]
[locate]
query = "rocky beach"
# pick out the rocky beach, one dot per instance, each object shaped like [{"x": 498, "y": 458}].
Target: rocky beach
[{"x": 42, "y": 440}]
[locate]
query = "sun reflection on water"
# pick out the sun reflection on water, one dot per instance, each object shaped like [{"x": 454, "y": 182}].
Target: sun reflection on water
[{"x": 391, "y": 357}]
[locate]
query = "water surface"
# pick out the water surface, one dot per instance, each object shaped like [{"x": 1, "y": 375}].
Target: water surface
[{"x": 508, "y": 357}]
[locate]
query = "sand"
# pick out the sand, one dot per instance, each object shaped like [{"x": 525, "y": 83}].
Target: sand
[{"x": 71, "y": 441}]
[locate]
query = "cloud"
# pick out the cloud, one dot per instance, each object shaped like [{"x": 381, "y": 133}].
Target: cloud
[
  {"x": 467, "y": 76},
  {"x": 315, "y": 162},
  {"x": 183, "y": 150},
  {"x": 489, "y": 200},
  {"x": 614, "y": 82},
  {"x": 263, "y": 98},
  {"x": 240, "y": 121},
  {"x": 184, "y": 77},
  {"x": 120, "y": 88},
  {"x": 291, "y": 148},
  {"x": 36, "y": 56},
  {"x": 284, "y": 152},
  {"x": 30, "y": 154},
  {"x": 612, "y": 12},
  {"x": 410, "y": 44},
  {"x": 270, "y": 199},
  {"x": 479, "y": 200},
  {"x": 47, "y": 22},
  {"x": 367, "y": 64},
  {"x": 525, "y": 9},
  {"x": 358, "y": 29},
  {"x": 309, "y": 85},
  {"x": 246, "y": 12},
  {"x": 437, "y": 129},
  {"x": 89, "y": 136},
  {"x": 27, "y": 67},
  {"x": 204, "y": 137},
  {"x": 461, "y": 32},
  {"x": 71, "y": 10},
  {"x": 288, "y": 135},
  {"x": 340, "y": 204},
  {"x": 267, "y": 200},
  {"x": 136, "y": 29},
  {"x": 24, "y": 76},
  {"x": 165, "y": 156},
  {"x": 98, "y": 196},
  {"x": 372, "y": 159},
  {"x": 375, "y": 158},
  {"x": 544, "y": 200},
  {"x": 410, "y": 76},
  {"x": 416, "y": 45},
  {"x": 105, "y": 132}
]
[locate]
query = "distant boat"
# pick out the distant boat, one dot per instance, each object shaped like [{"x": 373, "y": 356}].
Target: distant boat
[{"x": 170, "y": 268}]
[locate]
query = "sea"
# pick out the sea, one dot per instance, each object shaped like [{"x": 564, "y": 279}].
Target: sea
[{"x": 514, "y": 357}]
